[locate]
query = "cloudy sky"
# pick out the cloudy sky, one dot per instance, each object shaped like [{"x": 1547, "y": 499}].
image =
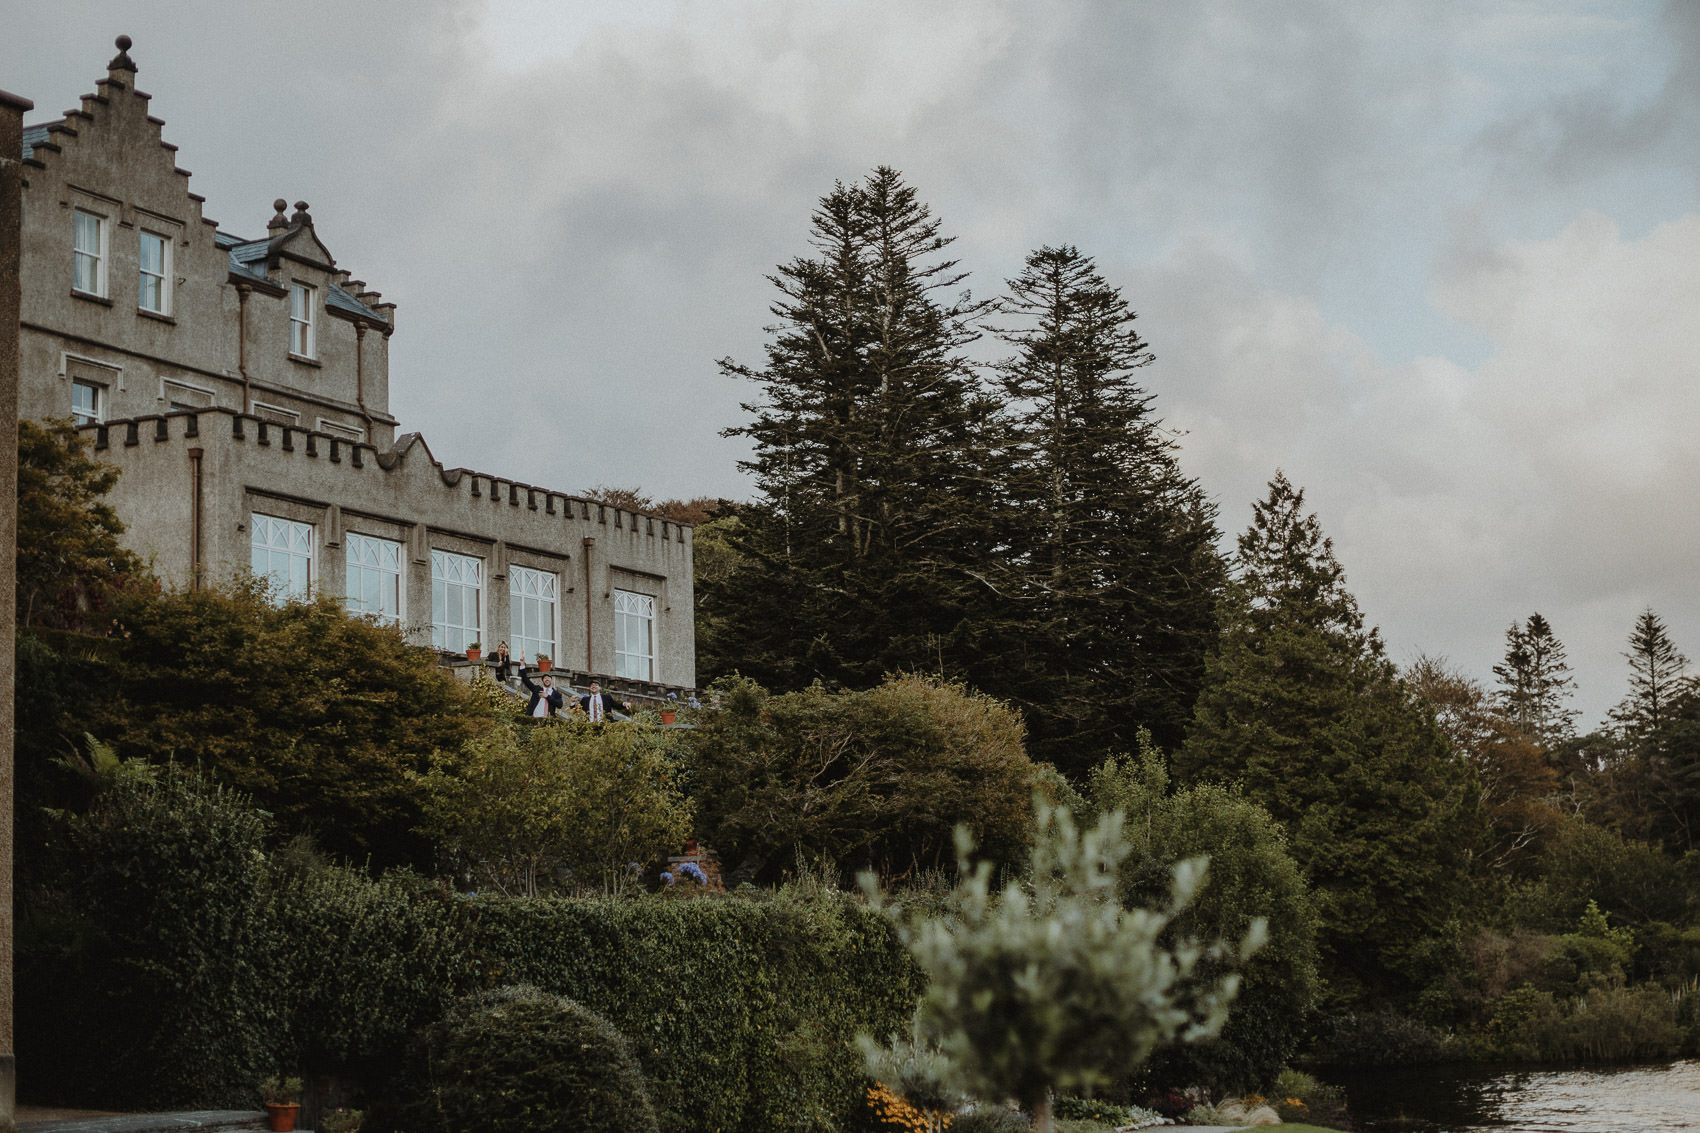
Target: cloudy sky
[{"x": 1440, "y": 262}]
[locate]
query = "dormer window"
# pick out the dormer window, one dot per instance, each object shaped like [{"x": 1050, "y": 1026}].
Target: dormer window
[
  {"x": 153, "y": 292},
  {"x": 301, "y": 304},
  {"x": 88, "y": 243}
]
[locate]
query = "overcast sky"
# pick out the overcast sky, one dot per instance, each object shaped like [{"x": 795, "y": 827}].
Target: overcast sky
[{"x": 1440, "y": 262}]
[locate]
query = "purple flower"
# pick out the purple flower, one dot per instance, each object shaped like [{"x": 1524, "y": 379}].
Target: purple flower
[{"x": 694, "y": 871}]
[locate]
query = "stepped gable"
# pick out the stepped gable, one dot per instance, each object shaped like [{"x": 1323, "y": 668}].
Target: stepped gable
[{"x": 115, "y": 100}]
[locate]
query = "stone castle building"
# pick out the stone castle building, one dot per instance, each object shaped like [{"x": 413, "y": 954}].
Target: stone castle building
[{"x": 242, "y": 388}]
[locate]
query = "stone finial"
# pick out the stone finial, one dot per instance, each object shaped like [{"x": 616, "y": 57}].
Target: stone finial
[
  {"x": 301, "y": 216},
  {"x": 122, "y": 60},
  {"x": 281, "y": 220}
]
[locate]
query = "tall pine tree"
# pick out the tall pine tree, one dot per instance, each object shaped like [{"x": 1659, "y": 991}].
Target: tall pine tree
[
  {"x": 869, "y": 446},
  {"x": 1535, "y": 683},
  {"x": 1109, "y": 576},
  {"x": 1301, "y": 709},
  {"x": 1658, "y": 675}
]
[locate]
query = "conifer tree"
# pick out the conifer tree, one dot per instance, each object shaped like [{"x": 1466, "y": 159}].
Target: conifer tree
[
  {"x": 1301, "y": 709},
  {"x": 1657, "y": 676},
  {"x": 868, "y": 446},
  {"x": 1109, "y": 577},
  {"x": 1535, "y": 683}
]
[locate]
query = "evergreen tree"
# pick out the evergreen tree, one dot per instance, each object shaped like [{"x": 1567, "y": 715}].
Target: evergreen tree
[
  {"x": 1109, "y": 577},
  {"x": 1301, "y": 708},
  {"x": 869, "y": 452},
  {"x": 1535, "y": 683},
  {"x": 1657, "y": 676},
  {"x": 70, "y": 560}
]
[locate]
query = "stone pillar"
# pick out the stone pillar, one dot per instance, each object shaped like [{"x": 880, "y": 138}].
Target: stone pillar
[{"x": 12, "y": 111}]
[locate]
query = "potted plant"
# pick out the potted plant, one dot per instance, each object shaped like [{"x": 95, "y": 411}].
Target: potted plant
[
  {"x": 474, "y": 651},
  {"x": 342, "y": 1121},
  {"x": 543, "y": 663},
  {"x": 282, "y": 1098}
]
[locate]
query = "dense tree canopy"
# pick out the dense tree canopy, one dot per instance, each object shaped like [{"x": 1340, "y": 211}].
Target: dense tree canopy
[
  {"x": 319, "y": 716},
  {"x": 1301, "y": 710}
]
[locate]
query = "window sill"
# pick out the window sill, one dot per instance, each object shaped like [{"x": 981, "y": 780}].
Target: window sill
[
  {"x": 156, "y": 316},
  {"x": 91, "y": 297},
  {"x": 305, "y": 361}
]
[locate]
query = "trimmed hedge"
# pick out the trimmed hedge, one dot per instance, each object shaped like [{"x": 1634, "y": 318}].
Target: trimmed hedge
[
  {"x": 742, "y": 1012},
  {"x": 517, "y": 1060},
  {"x": 168, "y": 959}
]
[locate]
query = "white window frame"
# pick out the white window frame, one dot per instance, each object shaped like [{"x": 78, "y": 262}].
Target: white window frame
[
  {"x": 534, "y": 605},
  {"x": 303, "y": 320},
  {"x": 161, "y": 278},
  {"x": 634, "y": 635},
  {"x": 97, "y": 395},
  {"x": 372, "y": 566},
  {"x": 90, "y": 265},
  {"x": 457, "y": 617},
  {"x": 283, "y": 551}
]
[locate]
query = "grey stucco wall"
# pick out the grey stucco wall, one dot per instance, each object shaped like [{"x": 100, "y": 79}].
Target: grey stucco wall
[
  {"x": 248, "y": 465},
  {"x": 109, "y": 158}
]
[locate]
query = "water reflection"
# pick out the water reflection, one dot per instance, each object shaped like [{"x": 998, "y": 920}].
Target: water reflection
[{"x": 1443, "y": 1099}]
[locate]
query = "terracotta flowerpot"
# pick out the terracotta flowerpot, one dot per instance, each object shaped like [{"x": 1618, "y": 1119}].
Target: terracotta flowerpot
[
  {"x": 474, "y": 654},
  {"x": 668, "y": 715},
  {"x": 281, "y": 1118},
  {"x": 544, "y": 664}
]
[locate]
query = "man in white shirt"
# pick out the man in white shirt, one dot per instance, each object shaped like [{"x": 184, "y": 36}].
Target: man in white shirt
[
  {"x": 599, "y": 706},
  {"x": 545, "y": 700}
]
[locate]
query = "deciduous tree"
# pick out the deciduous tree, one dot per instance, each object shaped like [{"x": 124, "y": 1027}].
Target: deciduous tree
[{"x": 534, "y": 808}]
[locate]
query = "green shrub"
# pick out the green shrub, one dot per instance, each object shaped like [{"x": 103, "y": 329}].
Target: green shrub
[
  {"x": 1251, "y": 876},
  {"x": 1607, "y": 1024},
  {"x": 1381, "y": 1038},
  {"x": 516, "y": 1059},
  {"x": 1317, "y": 1103},
  {"x": 524, "y": 808},
  {"x": 876, "y": 779},
  {"x": 146, "y": 962},
  {"x": 366, "y": 963}
]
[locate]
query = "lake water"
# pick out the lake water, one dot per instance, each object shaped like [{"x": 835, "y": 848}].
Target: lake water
[{"x": 1663, "y": 1098}]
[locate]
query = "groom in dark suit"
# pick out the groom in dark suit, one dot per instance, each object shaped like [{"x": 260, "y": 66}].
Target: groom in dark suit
[
  {"x": 546, "y": 700},
  {"x": 599, "y": 706}
]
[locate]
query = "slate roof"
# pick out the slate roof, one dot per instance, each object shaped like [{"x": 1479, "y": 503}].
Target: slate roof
[
  {"x": 248, "y": 258},
  {"x": 33, "y": 136}
]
